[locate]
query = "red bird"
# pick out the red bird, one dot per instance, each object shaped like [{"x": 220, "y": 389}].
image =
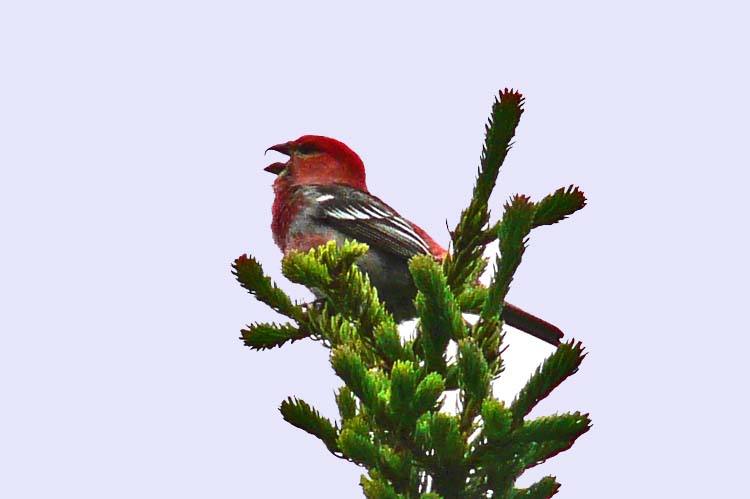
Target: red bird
[{"x": 321, "y": 195}]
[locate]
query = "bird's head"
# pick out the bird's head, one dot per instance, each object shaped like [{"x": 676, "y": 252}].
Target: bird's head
[{"x": 314, "y": 159}]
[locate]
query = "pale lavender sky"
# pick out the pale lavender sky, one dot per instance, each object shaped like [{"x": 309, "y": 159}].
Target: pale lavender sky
[{"x": 131, "y": 155}]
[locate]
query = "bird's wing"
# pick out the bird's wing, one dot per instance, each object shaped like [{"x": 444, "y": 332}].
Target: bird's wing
[{"x": 367, "y": 219}]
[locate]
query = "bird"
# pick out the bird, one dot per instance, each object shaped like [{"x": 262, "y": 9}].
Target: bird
[{"x": 321, "y": 194}]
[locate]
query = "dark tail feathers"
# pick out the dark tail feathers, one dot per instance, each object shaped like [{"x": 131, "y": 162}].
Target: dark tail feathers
[{"x": 531, "y": 324}]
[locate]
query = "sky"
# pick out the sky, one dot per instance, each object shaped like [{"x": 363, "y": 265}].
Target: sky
[{"x": 131, "y": 175}]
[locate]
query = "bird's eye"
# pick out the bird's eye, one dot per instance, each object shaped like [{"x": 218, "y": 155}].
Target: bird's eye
[{"x": 307, "y": 149}]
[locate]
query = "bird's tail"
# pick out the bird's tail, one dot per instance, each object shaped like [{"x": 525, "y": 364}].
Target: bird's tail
[{"x": 531, "y": 324}]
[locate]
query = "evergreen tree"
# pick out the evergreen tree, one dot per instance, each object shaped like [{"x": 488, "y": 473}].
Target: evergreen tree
[{"x": 389, "y": 418}]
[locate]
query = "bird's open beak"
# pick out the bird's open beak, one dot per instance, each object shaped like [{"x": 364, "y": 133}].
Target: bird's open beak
[
  {"x": 284, "y": 148},
  {"x": 275, "y": 168},
  {"x": 278, "y": 167}
]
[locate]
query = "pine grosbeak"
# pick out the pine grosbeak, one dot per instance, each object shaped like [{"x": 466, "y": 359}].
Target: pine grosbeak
[{"x": 321, "y": 195}]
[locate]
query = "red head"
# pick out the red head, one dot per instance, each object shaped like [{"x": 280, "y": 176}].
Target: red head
[{"x": 314, "y": 159}]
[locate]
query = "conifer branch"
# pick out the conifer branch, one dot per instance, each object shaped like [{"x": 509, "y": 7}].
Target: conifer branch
[
  {"x": 439, "y": 436},
  {"x": 559, "y": 205},
  {"x": 348, "y": 365},
  {"x": 566, "y": 427},
  {"x": 513, "y": 231},
  {"x": 474, "y": 379},
  {"x": 550, "y": 210},
  {"x": 498, "y": 421},
  {"x": 537, "y": 453},
  {"x": 346, "y": 403},
  {"x": 441, "y": 319},
  {"x": 467, "y": 238},
  {"x": 543, "y": 489},
  {"x": 347, "y": 293},
  {"x": 375, "y": 487},
  {"x": 250, "y": 275},
  {"x": 299, "y": 413},
  {"x": 472, "y": 299},
  {"x": 439, "y": 304},
  {"x": 558, "y": 366},
  {"x": 501, "y": 475},
  {"x": 428, "y": 392},
  {"x": 306, "y": 268},
  {"x": 404, "y": 379},
  {"x": 261, "y": 336}
]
